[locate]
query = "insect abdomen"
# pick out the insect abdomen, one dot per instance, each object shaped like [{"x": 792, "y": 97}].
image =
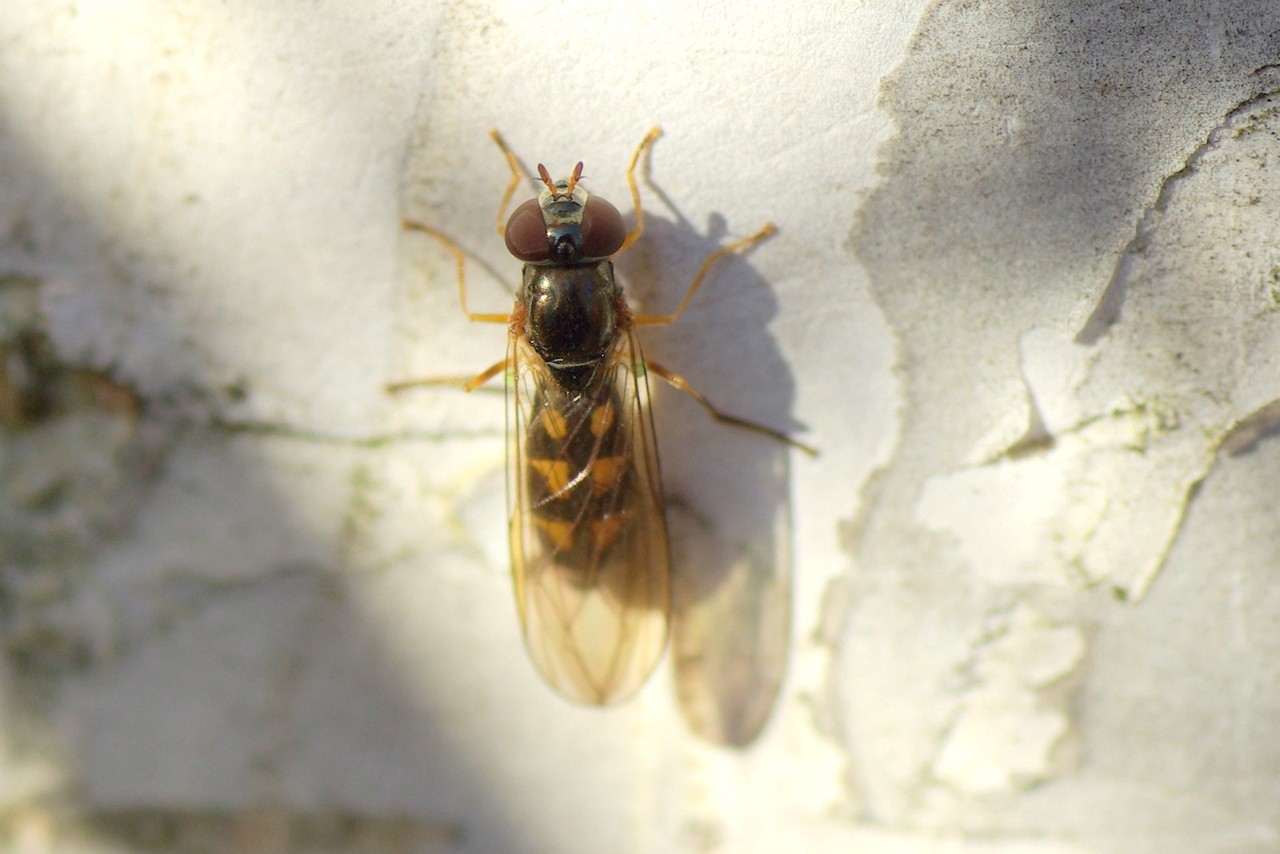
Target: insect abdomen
[{"x": 578, "y": 474}]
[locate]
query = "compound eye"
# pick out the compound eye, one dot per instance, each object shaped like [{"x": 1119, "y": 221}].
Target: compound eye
[
  {"x": 526, "y": 233},
  {"x": 602, "y": 229}
]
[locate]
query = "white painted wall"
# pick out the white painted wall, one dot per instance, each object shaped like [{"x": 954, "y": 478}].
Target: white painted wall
[{"x": 1024, "y": 298}]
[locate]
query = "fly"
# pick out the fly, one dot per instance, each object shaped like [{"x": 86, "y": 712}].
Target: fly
[{"x": 590, "y": 557}]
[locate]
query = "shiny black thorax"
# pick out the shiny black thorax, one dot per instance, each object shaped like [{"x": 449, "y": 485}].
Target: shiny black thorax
[{"x": 570, "y": 315}]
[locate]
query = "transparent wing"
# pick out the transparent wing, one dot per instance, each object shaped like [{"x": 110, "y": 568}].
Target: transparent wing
[{"x": 589, "y": 551}]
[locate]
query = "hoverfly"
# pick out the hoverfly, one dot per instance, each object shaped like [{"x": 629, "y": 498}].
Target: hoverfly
[{"x": 588, "y": 534}]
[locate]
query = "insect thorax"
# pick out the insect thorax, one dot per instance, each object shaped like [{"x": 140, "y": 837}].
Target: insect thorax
[{"x": 571, "y": 311}]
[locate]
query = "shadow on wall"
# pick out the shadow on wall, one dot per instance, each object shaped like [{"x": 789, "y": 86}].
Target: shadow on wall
[
  {"x": 191, "y": 659},
  {"x": 1032, "y": 143},
  {"x": 727, "y": 489},
  {"x": 197, "y": 662},
  {"x": 189, "y": 668}
]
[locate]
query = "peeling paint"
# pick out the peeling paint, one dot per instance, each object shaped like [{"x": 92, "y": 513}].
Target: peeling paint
[
  {"x": 1082, "y": 281},
  {"x": 1007, "y": 733}
]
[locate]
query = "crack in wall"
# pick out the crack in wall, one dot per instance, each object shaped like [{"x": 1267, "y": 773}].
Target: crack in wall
[
  {"x": 375, "y": 441},
  {"x": 1111, "y": 302},
  {"x": 1246, "y": 433}
]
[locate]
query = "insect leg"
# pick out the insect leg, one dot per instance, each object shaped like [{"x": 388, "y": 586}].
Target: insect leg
[
  {"x": 636, "y": 230},
  {"x": 466, "y": 384},
  {"x": 678, "y": 382},
  {"x": 459, "y": 259},
  {"x": 517, "y": 172},
  {"x": 709, "y": 262}
]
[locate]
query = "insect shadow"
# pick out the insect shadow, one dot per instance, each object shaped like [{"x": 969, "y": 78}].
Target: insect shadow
[{"x": 726, "y": 489}]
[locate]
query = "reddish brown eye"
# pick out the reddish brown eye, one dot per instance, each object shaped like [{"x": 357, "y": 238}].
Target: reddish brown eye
[
  {"x": 526, "y": 233},
  {"x": 602, "y": 229}
]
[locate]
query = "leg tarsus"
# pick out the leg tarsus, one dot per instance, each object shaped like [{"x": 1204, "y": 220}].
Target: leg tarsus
[
  {"x": 680, "y": 383},
  {"x": 636, "y": 230},
  {"x": 737, "y": 247},
  {"x": 465, "y": 383},
  {"x": 459, "y": 260},
  {"x": 517, "y": 172}
]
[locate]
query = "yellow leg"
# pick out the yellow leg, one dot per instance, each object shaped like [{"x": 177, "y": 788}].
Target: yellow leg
[
  {"x": 459, "y": 259},
  {"x": 517, "y": 173},
  {"x": 462, "y": 382},
  {"x": 636, "y": 230},
  {"x": 680, "y": 383},
  {"x": 710, "y": 261}
]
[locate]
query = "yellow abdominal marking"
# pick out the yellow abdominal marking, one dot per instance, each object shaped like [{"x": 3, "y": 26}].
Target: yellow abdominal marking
[
  {"x": 602, "y": 418},
  {"x": 605, "y": 531},
  {"x": 554, "y": 472},
  {"x": 558, "y": 531},
  {"x": 553, "y": 422},
  {"x": 605, "y": 472}
]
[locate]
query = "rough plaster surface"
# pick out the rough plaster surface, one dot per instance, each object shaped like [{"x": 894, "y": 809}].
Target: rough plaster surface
[
  {"x": 1023, "y": 297},
  {"x": 1099, "y": 319}
]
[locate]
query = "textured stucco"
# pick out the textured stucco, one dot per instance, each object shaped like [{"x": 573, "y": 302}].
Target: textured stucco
[{"x": 1023, "y": 298}]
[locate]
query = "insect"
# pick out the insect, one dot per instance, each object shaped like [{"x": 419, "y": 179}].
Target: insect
[{"x": 588, "y": 535}]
